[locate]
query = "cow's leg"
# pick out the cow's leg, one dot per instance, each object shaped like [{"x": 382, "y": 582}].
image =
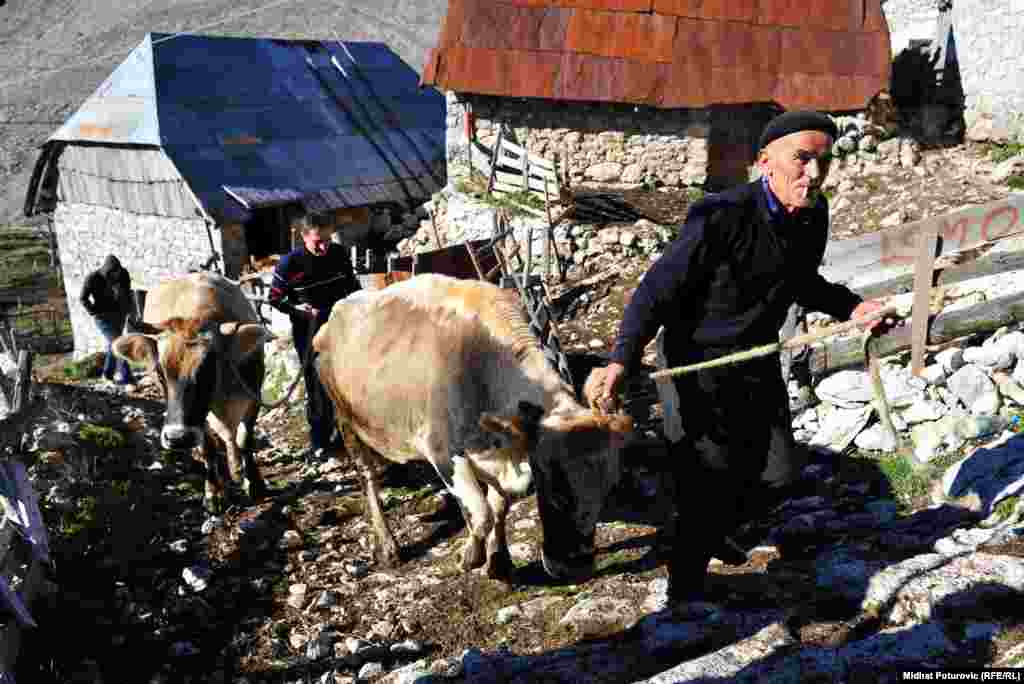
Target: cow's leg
[
  {"x": 213, "y": 497},
  {"x": 387, "y": 549},
  {"x": 253, "y": 484},
  {"x": 224, "y": 422},
  {"x": 499, "y": 561},
  {"x": 478, "y": 514}
]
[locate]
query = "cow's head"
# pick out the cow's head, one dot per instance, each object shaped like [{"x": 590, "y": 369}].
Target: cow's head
[
  {"x": 575, "y": 462},
  {"x": 191, "y": 358}
]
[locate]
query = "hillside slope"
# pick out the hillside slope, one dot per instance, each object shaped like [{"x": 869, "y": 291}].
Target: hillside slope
[{"x": 54, "y": 53}]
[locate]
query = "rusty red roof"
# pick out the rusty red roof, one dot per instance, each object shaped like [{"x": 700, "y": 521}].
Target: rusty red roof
[{"x": 832, "y": 55}]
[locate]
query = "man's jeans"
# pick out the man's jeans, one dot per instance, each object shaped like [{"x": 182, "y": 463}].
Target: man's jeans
[{"x": 111, "y": 330}]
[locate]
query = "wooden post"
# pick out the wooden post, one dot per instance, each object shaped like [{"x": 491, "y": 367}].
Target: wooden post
[
  {"x": 924, "y": 274},
  {"x": 494, "y": 157},
  {"x": 23, "y": 384},
  {"x": 550, "y": 233},
  {"x": 437, "y": 236},
  {"x": 524, "y": 164}
]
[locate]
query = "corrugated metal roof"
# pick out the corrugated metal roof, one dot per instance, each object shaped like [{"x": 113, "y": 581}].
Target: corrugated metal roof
[
  {"x": 331, "y": 124},
  {"x": 826, "y": 54}
]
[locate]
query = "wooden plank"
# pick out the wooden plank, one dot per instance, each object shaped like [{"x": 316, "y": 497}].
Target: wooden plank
[
  {"x": 513, "y": 151},
  {"x": 494, "y": 159},
  {"x": 891, "y": 253},
  {"x": 515, "y": 179},
  {"x": 512, "y": 147},
  {"x": 924, "y": 269},
  {"x": 23, "y": 384},
  {"x": 525, "y": 170},
  {"x": 845, "y": 352}
]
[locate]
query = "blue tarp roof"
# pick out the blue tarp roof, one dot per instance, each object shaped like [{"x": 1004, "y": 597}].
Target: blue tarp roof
[{"x": 256, "y": 121}]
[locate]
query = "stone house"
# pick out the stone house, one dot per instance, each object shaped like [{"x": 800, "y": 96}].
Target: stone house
[
  {"x": 664, "y": 92},
  {"x": 187, "y": 155}
]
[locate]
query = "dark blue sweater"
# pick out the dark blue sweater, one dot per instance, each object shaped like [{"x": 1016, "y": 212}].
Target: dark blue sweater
[
  {"x": 304, "y": 278},
  {"x": 729, "y": 279}
]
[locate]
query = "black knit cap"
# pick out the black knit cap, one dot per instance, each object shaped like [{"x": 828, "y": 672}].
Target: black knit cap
[{"x": 796, "y": 121}]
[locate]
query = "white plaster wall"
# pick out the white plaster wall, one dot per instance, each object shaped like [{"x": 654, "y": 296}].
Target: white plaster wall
[
  {"x": 152, "y": 248},
  {"x": 909, "y": 20},
  {"x": 989, "y": 38}
]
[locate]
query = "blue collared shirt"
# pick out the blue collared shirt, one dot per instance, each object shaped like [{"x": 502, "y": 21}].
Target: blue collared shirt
[{"x": 775, "y": 208}]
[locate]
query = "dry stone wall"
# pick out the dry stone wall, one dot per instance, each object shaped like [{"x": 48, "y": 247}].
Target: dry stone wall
[
  {"x": 152, "y": 248},
  {"x": 615, "y": 144}
]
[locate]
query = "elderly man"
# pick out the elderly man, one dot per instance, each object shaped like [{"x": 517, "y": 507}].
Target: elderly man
[
  {"x": 742, "y": 259},
  {"x": 306, "y": 284}
]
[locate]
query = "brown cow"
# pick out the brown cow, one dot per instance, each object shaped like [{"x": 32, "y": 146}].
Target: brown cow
[
  {"x": 203, "y": 338},
  {"x": 447, "y": 371}
]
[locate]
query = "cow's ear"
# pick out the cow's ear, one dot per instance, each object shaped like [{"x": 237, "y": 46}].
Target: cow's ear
[
  {"x": 137, "y": 349},
  {"x": 245, "y": 339}
]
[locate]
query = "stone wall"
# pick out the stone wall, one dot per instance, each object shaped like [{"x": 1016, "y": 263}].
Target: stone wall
[
  {"x": 989, "y": 37},
  {"x": 616, "y": 144},
  {"x": 152, "y": 248},
  {"x": 911, "y": 20}
]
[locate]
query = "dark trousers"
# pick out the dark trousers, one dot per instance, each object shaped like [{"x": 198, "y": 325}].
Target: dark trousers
[
  {"x": 737, "y": 454},
  {"x": 319, "y": 410},
  {"x": 111, "y": 330}
]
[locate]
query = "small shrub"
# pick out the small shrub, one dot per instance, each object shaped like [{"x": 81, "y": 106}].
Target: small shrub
[
  {"x": 1000, "y": 153},
  {"x": 907, "y": 481},
  {"x": 102, "y": 436},
  {"x": 1005, "y": 508},
  {"x": 1015, "y": 182},
  {"x": 695, "y": 194},
  {"x": 85, "y": 368}
]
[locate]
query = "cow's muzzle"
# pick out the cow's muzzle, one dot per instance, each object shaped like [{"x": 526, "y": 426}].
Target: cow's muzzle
[{"x": 180, "y": 437}]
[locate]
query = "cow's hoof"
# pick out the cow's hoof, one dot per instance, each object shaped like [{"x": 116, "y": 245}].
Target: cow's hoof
[
  {"x": 499, "y": 566},
  {"x": 572, "y": 569},
  {"x": 255, "y": 490},
  {"x": 472, "y": 554}
]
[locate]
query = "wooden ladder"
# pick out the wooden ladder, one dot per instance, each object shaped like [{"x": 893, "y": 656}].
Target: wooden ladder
[{"x": 532, "y": 290}]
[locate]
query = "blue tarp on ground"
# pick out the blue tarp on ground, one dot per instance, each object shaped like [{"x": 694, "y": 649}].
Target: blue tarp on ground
[{"x": 250, "y": 122}]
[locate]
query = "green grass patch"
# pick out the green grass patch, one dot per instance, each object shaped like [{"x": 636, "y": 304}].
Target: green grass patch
[
  {"x": 1000, "y": 153},
  {"x": 1005, "y": 508},
  {"x": 476, "y": 185},
  {"x": 695, "y": 194},
  {"x": 1015, "y": 182},
  {"x": 86, "y": 367},
  {"x": 613, "y": 559},
  {"x": 909, "y": 483},
  {"x": 24, "y": 258},
  {"x": 102, "y": 436}
]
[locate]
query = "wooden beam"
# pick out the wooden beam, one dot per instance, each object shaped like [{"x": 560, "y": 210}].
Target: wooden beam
[{"x": 846, "y": 352}]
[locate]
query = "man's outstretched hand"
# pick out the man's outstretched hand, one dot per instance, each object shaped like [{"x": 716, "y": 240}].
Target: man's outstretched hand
[{"x": 878, "y": 326}]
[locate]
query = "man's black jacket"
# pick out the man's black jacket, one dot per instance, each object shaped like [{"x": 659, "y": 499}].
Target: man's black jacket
[{"x": 729, "y": 279}]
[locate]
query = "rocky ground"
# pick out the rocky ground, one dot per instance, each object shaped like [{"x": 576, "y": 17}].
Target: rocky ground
[{"x": 859, "y": 573}]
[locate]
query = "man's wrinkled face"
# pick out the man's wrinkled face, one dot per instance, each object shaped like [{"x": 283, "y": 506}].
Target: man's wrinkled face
[
  {"x": 317, "y": 241},
  {"x": 796, "y": 165}
]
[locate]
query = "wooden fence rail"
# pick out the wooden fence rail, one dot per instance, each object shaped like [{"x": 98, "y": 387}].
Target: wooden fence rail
[{"x": 511, "y": 169}]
